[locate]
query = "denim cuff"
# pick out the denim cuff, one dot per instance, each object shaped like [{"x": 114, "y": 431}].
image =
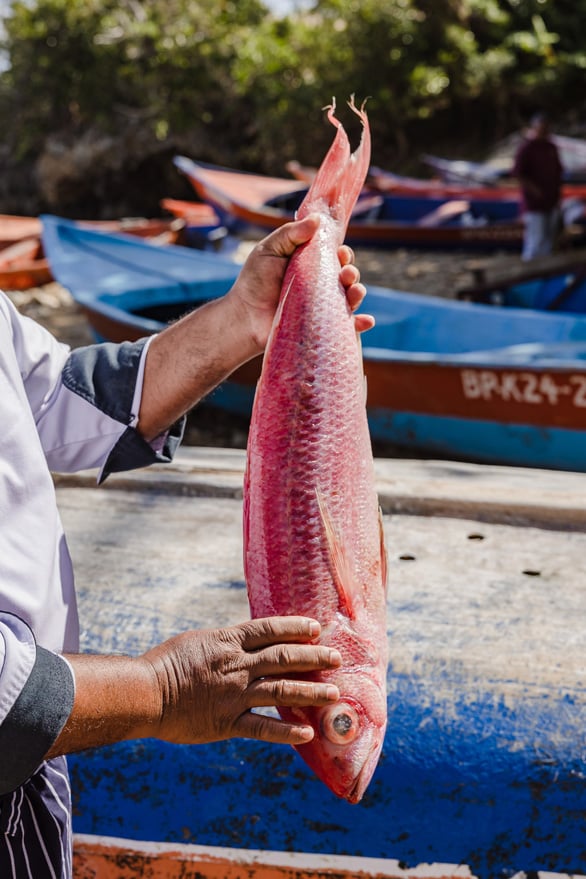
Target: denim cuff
[{"x": 36, "y": 719}]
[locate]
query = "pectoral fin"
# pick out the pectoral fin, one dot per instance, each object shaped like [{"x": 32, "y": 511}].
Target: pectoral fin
[
  {"x": 383, "y": 553},
  {"x": 342, "y": 572},
  {"x": 279, "y": 312}
]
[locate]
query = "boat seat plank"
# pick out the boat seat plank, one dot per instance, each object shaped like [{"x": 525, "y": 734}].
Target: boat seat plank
[
  {"x": 26, "y": 249},
  {"x": 486, "y": 277},
  {"x": 444, "y": 213}
]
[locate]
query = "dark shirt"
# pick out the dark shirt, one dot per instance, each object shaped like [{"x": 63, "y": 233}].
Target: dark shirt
[{"x": 538, "y": 160}]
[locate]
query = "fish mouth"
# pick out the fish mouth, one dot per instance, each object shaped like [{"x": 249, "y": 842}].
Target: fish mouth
[
  {"x": 360, "y": 783},
  {"x": 358, "y": 789}
]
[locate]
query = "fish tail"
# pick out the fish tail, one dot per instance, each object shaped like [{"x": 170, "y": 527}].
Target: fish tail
[{"x": 342, "y": 173}]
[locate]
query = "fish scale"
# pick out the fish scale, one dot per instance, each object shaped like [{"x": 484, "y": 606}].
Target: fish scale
[{"x": 312, "y": 532}]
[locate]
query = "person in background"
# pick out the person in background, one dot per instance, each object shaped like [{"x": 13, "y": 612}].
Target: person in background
[
  {"x": 116, "y": 407},
  {"x": 539, "y": 171}
]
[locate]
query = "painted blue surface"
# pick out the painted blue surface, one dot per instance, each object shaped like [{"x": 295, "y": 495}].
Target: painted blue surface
[
  {"x": 132, "y": 282},
  {"x": 123, "y": 272},
  {"x": 465, "y": 777},
  {"x": 422, "y": 327},
  {"x": 517, "y": 445},
  {"x": 412, "y": 208},
  {"x": 550, "y": 292}
]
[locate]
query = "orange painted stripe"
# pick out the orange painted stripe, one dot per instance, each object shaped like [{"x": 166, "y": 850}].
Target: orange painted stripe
[{"x": 99, "y": 857}]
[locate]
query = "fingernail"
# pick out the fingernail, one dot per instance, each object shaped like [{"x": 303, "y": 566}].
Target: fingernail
[
  {"x": 335, "y": 657},
  {"x": 314, "y": 629},
  {"x": 307, "y": 733},
  {"x": 332, "y": 693}
]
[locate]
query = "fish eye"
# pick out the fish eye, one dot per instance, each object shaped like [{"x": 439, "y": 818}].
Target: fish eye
[{"x": 340, "y": 724}]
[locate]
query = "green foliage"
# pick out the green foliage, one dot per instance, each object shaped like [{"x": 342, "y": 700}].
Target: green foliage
[{"x": 235, "y": 85}]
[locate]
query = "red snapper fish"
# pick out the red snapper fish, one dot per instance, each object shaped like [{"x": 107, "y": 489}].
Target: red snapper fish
[{"x": 313, "y": 537}]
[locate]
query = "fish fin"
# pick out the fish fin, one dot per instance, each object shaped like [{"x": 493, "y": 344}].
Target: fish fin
[
  {"x": 280, "y": 308},
  {"x": 285, "y": 290},
  {"x": 364, "y": 380},
  {"x": 281, "y": 305},
  {"x": 342, "y": 572},
  {"x": 383, "y": 554},
  {"x": 341, "y": 175}
]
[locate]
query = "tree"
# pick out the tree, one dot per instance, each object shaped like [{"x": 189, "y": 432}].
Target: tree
[{"x": 227, "y": 82}]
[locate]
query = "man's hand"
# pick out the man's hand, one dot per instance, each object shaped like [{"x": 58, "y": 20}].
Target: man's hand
[
  {"x": 258, "y": 286},
  {"x": 201, "y": 686},
  {"x": 211, "y": 680},
  {"x": 190, "y": 358}
]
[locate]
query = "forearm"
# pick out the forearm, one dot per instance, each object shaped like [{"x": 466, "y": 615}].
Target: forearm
[
  {"x": 189, "y": 359},
  {"x": 116, "y": 698}
]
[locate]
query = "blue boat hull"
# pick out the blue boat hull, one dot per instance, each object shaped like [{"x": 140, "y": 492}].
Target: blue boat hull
[
  {"x": 483, "y": 756},
  {"x": 516, "y": 445},
  {"x": 471, "y": 787},
  {"x": 449, "y": 379}
]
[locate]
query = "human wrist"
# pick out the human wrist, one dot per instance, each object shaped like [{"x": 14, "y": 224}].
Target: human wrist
[
  {"x": 149, "y": 718},
  {"x": 246, "y": 323},
  {"x": 116, "y": 698}
]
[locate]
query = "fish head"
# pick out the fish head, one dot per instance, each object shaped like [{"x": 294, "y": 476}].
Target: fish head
[{"x": 348, "y": 736}]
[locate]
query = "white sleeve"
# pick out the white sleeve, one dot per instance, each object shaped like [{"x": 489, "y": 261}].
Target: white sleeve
[{"x": 85, "y": 402}]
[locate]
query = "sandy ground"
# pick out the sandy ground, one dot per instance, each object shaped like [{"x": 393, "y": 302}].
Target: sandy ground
[{"x": 428, "y": 272}]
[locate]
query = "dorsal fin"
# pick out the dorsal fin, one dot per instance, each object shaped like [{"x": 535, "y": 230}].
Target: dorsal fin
[{"x": 342, "y": 571}]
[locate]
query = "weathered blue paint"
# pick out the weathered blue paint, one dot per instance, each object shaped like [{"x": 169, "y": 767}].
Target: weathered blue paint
[
  {"x": 484, "y": 755},
  {"x": 126, "y": 274},
  {"x": 465, "y": 777},
  {"x": 564, "y": 292},
  {"x": 134, "y": 287},
  {"x": 516, "y": 445}
]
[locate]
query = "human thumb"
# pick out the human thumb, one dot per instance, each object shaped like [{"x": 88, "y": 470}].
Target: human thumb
[{"x": 284, "y": 240}]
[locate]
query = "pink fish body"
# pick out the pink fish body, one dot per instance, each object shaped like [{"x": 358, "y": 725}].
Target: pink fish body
[{"x": 313, "y": 540}]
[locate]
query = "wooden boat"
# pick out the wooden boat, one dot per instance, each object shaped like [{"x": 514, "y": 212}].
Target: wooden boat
[
  {"x": 158, "y": 231},
  {"x": 488, "y": 173},
  {"x": 252, "y": 202},
  {"x": 572, "y": 151},
  {"x": 573, "y": 205},
  {"x": 202, "y": 226},
  {"x": 447, "y": 378},
  {"x": 22, "y": 265},
  {"x": 127, "y": 287},
  {"x": 553, "y": 283},
  {"x": 483, "y": 757},
  {"x": 194, "y": 213},
  {"x": 386, "y": 181},
  {"x": 14, "y": 228}
]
